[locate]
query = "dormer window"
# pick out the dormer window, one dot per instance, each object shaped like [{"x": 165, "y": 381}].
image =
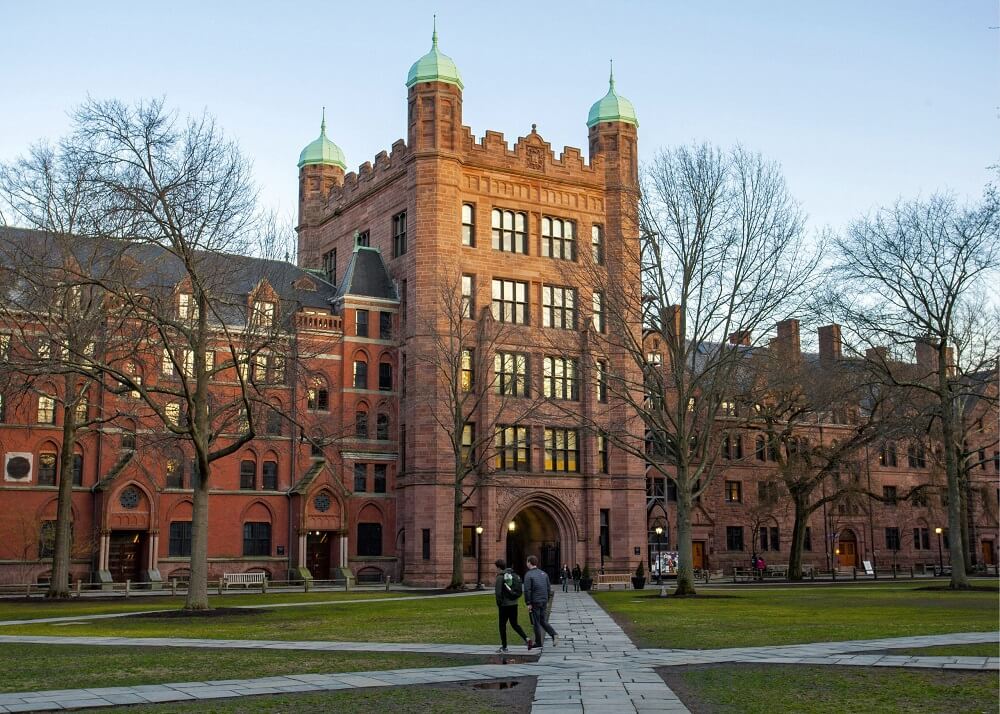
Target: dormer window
[
  {"x": 263, "y": 314},
  {"x": 187, "y": 308}
]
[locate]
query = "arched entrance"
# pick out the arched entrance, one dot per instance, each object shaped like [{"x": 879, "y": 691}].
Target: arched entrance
[
  {"x": 535, "y": 532},
  {"x": 847, "y": 557}
]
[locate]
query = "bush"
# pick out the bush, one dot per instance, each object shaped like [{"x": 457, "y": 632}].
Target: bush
[{"x": 640, "y": 570}]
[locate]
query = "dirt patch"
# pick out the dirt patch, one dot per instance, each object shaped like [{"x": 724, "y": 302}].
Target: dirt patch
[{"x": 194, "y": 614}]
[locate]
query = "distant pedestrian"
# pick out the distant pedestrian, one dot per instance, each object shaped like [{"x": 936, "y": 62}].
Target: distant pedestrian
[
  {"x": 577, "y": 574},
  {"x": 564, "y": 577},
  {"x": 536, "y": 594},
  {"x": 508, "y": 592}
]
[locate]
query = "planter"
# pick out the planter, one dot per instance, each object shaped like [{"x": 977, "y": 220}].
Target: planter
[
  {"x": 638, "y": 583},
  {"x": 586, "y": 583}
]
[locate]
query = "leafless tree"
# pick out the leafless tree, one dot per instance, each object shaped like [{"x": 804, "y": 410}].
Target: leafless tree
[
  {"x": 925, "y": 273},
  {"x": 479, "y": 384},
  {"x": 723, "y": 256}
]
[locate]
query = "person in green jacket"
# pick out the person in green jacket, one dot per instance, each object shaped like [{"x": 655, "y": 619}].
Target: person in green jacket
[{"x": 508, "y": 592}]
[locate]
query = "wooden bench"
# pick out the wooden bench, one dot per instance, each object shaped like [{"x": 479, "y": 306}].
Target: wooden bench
[
  {"x": 245, "y": 579},
  {"x": 743, "y": 575},
  {"x": 611, "y": 579}
]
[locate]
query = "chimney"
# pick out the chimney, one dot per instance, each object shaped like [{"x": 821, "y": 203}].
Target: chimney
[
  {"x": 670, "y": 323},
  {"x": 740, "y": 338},
  {"x": 787, "y": 340},
  {"x": 829, "y": 343},
  {"x": 877, "y": 355},
  {"x": 926, "y": 352}
]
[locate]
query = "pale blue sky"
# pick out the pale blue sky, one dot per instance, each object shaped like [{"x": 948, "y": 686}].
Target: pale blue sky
[{"x": 860, "y": 101}]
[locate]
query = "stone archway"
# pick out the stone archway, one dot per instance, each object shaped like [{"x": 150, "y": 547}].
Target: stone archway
[{"x": 537, "y": 533}]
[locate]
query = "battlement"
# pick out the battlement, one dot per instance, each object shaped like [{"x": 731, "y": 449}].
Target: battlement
[
  {"x": 358, "y": 183},
  {"x": 531, "y": 153}
]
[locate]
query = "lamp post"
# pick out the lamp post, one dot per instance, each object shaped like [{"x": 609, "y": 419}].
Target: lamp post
[
  {"x": 939, "y": 531},
  {"x": 479, "y": 559},
  {"x": 659, "y": 564}
]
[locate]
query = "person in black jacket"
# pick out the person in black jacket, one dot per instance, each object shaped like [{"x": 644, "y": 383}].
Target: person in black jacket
[
  {"x": 536, "y": 594},
  {"x": 508, "y": 589}
]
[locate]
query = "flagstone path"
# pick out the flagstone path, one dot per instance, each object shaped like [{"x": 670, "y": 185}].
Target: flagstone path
[{"x": 594, "y": 668}]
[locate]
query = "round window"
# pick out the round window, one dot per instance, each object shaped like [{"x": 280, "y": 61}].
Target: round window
[
  {"x": 129, "y": 498},
  {"x": 322, "y": 503},
  {"x": 18, "y": 468}
]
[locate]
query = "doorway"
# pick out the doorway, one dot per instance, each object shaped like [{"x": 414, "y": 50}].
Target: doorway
[
  {"x": 848, "y": 544},
  {"x": 698, "y": 554},
  {"x": 989, "y": 554},
  {"x": 125, "y": 551},
  {"x": 318, "y": 546},
  {"x": 535, "y": 533}
]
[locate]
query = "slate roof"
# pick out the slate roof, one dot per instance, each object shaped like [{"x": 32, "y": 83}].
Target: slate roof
[{"x": 367, "y": 276}]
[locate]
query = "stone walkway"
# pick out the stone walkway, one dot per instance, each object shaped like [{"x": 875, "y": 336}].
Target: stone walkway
[{"x": 594, "y": 669}]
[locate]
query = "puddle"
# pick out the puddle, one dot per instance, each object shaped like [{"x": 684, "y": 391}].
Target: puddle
[
  {"x": 512, "y": 659},
  {"x": 509, "y": 684}
]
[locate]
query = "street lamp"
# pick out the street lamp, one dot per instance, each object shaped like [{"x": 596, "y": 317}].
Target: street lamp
[
  {"x": 659, "y": 564},
  {"x": 939, "y": 531},
  {"x": 512, "y": 526},
  {"x": 479, "y": 559}
]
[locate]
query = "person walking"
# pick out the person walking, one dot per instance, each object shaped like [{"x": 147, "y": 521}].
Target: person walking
[
  {"x": 577, "y": 574},
  {"x": 564, "y": 577},
  {"x": 536, "y": 595},
  {"x": 508, "y": 589}
]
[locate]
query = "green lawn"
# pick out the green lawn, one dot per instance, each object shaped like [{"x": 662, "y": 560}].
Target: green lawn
[
  {"x": 41, "y": 667},
  {"x": 736, "y": 617},
  {"x": 436, "y": 699},
  {"x": 979, "y": 650},
  {"x": 762, "y": 689},
  {"x": 40, "y": 608},
  {"x": 466, "y": 620}
]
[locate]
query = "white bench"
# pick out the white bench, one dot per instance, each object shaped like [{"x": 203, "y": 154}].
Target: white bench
[
  {"x": 611, "y": 579},
  {"x": 245, "y": 579}
]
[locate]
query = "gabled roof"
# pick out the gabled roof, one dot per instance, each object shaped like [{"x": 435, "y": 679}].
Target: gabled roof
[{"x": 367, "y": 276}]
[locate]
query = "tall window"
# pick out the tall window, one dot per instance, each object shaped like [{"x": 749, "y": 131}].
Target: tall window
[
  {"x": 468, "y": 306},
  {"x": 889, "y": 495},
  {"x": 380, "y": 472},
  {"x": 734, "y": 537},
  {"x": 887, "y": 455},
  {"x": 559, "y": 378},
  {"x": 360, "y": 478},
  {"x": 605, "y": 535},
  {"x": 382, "y": 427},
  {"x": 187, "y": 308},
  {"x": 425, "y": 543},
  {"x": 180, "y": 539},
  {"x": 558, "y": 307},
  {"x": 361, "y": 424},
  {"x": 257, "y": 539},
  {"x": 807, "y": 543},
  {"x": 601, "y": 380},
  {"x": 732, "y": 447},
  {"x": 173, "y": 475},
  {"x": 468, "y": 439},
  {"x": 558, "y": 239},
  {"x": 77, "y": 469},
  {"x": 510, "y": 301},
  {"x": 510, "y": 231},
  {"x": 597, "y": 244},
  {"x": 513, "y": 448},
  {"x": 385, "y": 325},
  {"x": 361, "y": 323},
  {"x": 892, "y": 538},
  {"x": 468, "y": 224},
  {"x": 467, "y": 376},
  {"x": 562, "y": 450},
  {"x": 47, "y": 469},
  {"x": 46, "y": 409},
  {"x": 330, "y": 265},
  {"x": 734, "y": 492},
  {"x": 511, "y": 370},
  {"x": 385, "y": 376},
  {"x": 916, "y": 457},
  {"x": 248, "y": 475},
  {"x": 263, "y": 314},
  {"x": 318, "y": 398},
  {"x": 270, "y": 473},
  {"x": 597, "y": 311},
  {"x": 602, "y": 453},
  {"x": 921, "y": 539},
  {"x": 399, "y": 234},
  {"x": 360, "y": 374}
]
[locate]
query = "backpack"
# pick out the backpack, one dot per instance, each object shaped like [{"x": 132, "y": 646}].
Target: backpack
[{"x": 513, "y": 588}]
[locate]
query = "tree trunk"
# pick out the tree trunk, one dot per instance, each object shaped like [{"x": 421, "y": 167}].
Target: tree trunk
[
  {"x": 63, "y": 546},
  {"x": 457, "y": 558},
  {"x": 798, "y": 538},
  {"x": 966, "y": 520},
  {"x": 197, "y": 596},
  {"x": 685, "y": 568},
  {"x": 959, "y": 579}
]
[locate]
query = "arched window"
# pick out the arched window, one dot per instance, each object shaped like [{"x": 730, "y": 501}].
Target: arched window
[
  {"x": 385, "y": 375},
  {"x": 361, "y": 373},
  {"x": 370, "y": 539},
  {"x": 382, "y": 427},
  {"x": 248, "y": 474},
  {"x": 318, "y": 397},
  {"x": 270, "y": 473},
  {"x": 77, "y": 469},
  {"x": 47, "y": 468},
  {"x": 361, "y": 423}
]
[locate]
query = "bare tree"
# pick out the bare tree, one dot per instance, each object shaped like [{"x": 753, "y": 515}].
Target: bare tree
[
  {"x": 925, "y": 273},
  {"x": 480, "y": 385},
  {"x": 723, "y": 256}
]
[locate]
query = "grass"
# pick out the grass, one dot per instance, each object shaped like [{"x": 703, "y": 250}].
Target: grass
[
  {"x": 38, "y": 608},
  {"x": 974, "y": 650},
  {"x": 440, "y": 699},
  {"x": 763, "y": 689},
  {"x": 42, "y": 667},
  {"x": 463, "y": 620},
  {"x": 770, "y": 616}
]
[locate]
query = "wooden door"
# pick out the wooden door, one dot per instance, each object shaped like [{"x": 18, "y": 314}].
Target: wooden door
[
  {"x": 989, "y": 556},
  {"x": 848, "y": 554},
  {"x": 318, "y": 554},
  {"x": 125, "y": 555},
  {"x": 698, "y": 554}
]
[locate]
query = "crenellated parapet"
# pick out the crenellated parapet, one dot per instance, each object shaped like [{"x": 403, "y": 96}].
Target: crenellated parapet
[
  {"x": 530, "y": 154},
  {"x": 388, "y": 166}
]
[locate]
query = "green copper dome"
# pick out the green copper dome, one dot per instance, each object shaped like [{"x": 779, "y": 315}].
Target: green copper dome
[
  {"x": 612, "y": 107},
  {"x": 434, "y": 67},
  {"x": 322, "y": 151}
]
